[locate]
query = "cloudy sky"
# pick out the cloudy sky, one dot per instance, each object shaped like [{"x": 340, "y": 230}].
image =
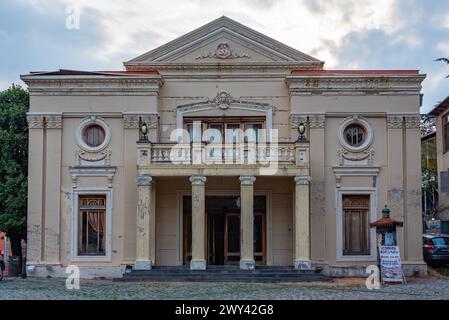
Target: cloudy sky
[{"x": 347, "y": 34}]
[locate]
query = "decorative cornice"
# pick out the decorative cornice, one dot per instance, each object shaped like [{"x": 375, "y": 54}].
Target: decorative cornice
[
  {"x": 247, "y": 180},
  {"x": 143, "y": 179},
  {"x": 198, "y": 180},
  {"x": 317, "y": 121},
  {"x": 36, "y": 122},
  {"x": 223, "y": 52},
  {"x": 400, "y": 121},
  {"x": 93, "y": 85},
  {"x": 303, "y": 180},
  {"x": 328, "y": 85},
  {"x": 132, "y": 121}
]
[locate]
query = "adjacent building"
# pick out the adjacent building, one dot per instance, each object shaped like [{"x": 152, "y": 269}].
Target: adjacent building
[{"x": 221, "y": 147}]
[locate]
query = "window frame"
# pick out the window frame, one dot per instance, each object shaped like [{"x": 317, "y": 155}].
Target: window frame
[
  {"x": 445, "y": 125},
  {"x": 344, "y": 191},
  {"x": 85, "y": 123},
  {"x": 75, "y": 256},
  {"x": 206, "y": 122}
]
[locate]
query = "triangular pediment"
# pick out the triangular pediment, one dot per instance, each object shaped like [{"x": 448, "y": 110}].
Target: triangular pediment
[{"x": 223, "y": 41}]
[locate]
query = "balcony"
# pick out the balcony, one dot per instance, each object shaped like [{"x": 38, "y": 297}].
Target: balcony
[{"x": 284, "y": 158}]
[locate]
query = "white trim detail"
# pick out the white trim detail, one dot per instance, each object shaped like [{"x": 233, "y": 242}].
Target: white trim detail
[
  {"x": 372, "y": 192},
  {"x": 230, "y": 104},
  {"x": 362, "y": 122},
  {"x": 74, "y": 225},
  {"x": 90, "y": 121}
]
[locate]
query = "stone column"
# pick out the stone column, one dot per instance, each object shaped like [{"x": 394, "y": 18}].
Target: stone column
[
  {"x": 302, "y": 224},
  {"x": 198, "y": 223},
  {"x": 247, "y": 222},
  {"x": 52, "y": 217},
  {"x": 36, "y": 176},
  {"x": 143, "y": 236}
]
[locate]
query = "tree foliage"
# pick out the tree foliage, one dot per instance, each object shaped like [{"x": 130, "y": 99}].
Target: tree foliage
[{"x": 14, "y": 104}]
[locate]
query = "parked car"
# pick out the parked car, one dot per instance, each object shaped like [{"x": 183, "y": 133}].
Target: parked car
[
  {"x": 2, "y": 266},
  {"x": 436, "y": 249}
]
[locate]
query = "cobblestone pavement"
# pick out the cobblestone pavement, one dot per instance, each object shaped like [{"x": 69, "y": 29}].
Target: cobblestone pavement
[{"x": 48, "y": 289}]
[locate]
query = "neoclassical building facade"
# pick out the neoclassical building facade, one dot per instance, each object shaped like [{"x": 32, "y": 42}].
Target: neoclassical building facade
[{"x": 222, "y": 147}]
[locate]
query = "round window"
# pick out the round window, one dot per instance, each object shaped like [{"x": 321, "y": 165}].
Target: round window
[
  {"x": 355, "y": 135},
  {"x": 94, "y": 135}
]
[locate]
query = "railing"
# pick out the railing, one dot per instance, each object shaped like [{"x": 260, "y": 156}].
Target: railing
[{"x": 226, "y": 154}]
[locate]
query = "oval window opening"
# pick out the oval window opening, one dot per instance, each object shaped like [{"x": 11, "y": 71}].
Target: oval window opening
[
  {"x": 355, "y": 135},
  {"x": 94, "y": 135}
]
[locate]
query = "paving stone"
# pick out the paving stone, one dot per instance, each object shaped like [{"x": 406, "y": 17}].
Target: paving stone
[{"x": 48, "y": 289}]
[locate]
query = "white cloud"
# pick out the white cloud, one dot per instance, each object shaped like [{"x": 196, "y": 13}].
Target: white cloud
[{"x": 304, "y": 24}]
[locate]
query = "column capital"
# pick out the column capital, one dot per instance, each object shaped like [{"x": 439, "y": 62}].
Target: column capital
[
  {"x": 35, "y": 122},
  {"x": 247, "y": 180},
  {"x": 132, "y": 120},
  {"x": 53, "y": 121},
  {"x": 144, "y": 180},
  {"x": 303, "y": 180},
  {"x": 198, "y": 180}
]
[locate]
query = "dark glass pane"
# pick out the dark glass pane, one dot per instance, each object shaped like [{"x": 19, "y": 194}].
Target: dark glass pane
[
  {"x": 234, "y": 234},
  {"x": 355, "y": 135},
  {"x": 258, "y": 233}
]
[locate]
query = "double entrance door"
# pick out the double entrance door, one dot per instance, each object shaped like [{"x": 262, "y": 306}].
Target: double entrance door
[{"x": 223, "y": 230}]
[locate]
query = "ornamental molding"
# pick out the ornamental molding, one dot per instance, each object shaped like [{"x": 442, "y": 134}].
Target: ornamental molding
[
  {"x": 247, "y": 180},
  {"x": 412, "y": 121},
  {"x": 110, "y": 86},
  {"x": 223, "y": 52},
  {"x": 41, "y": 121},
  {"x": 408, "y": 121},
  {"x": 346, "y": 157},
  {"x": 223, "y": 100},
  {"x": 362, "y": 85},
  {"x": 94, "y": 171},
  {"x": 395, "y": 122},
  {"x": 314, "y": 121},
  {"x": 36, "y": 122},
  {"x": 83, "y": 158},
  {"x": 303, "y": 180},
  {"x": 132, "y": 121},
  {"x": 144, "y": 180},
  {"x": 355, "y": 171},
  {"x": 198, "y": 180},
  {"x": 53, "y": 122}
]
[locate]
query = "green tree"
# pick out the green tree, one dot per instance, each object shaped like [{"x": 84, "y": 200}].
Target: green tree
[{"x": 14, "y": 104}]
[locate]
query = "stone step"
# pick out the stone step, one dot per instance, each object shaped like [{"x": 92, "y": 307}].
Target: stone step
[{"x": 187, "y": 278}]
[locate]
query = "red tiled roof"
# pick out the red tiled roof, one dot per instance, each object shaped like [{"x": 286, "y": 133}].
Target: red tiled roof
[
  {"x": 386, "y": 222},
  {"x": 354, "y": 72},
  {"x": 64, "y": 72}
]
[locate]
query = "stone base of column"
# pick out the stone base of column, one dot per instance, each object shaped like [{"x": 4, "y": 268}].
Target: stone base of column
[
  {"x": 143, "y": 265},
  {"x": 198, "y": 265},
  {"x": 303, "y": 264},
  {"x": 247, "y": 264}
]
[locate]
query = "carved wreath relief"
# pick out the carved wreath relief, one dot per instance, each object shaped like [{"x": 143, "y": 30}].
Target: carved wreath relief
[{"x": 223, "y": 52}]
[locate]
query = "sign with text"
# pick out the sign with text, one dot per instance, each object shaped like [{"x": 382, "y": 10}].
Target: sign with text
[
  {"x": 433, "y": 226},
  {"x": 390, "y": 264}
]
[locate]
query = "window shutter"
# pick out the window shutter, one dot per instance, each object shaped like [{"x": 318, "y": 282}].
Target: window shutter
[{"x": 444, "y": 181}]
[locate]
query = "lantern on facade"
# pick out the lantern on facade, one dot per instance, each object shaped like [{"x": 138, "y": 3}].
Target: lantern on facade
[
  {"x": 143, "y": 132},
  {"x": 301, "y": 132}
]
